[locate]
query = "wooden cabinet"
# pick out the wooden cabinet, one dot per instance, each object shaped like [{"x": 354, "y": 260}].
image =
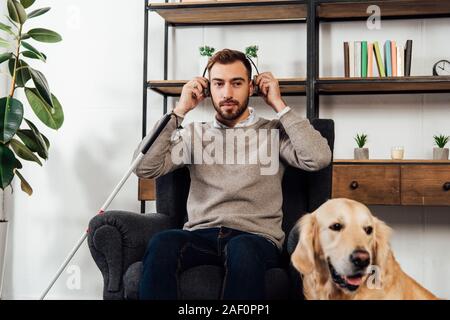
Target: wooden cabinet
[
  {"x": 386, "y": 182},
  {"x": 146, "y": 189},
  {"x": 425, "y": 185}
]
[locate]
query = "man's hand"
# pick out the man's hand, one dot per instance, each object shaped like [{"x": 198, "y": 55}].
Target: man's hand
[
  {"x": 270, "y": 91},
  {"x": 191, "y": 95}
]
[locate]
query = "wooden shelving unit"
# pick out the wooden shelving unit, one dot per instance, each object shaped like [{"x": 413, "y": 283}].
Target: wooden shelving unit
[
  {"x": 172, "y": 88},
  {"x": 423, "y": 84},
  {"x": 390, "y": 9},
  {"x": 313, "y": 13},
  {"x": 228, "y": 12}
]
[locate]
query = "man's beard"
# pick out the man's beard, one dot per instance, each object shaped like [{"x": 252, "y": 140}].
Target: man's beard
[{"x": 236, "y": 113}]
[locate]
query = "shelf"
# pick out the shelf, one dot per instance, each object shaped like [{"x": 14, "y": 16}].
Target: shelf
[
  {"x": 172, "y": 88},
  {"x": 390, "y": 9},
  {"x": 231, "y": 12},
  {"x": 387, "y": 85},
  {"x": 390, "y": 161}
]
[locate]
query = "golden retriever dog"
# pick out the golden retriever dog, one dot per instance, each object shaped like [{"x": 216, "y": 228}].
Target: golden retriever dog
[{"x": 344, "y": 253}]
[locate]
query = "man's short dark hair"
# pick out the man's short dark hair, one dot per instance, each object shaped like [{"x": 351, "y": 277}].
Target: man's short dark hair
[{"x": 227, "y": 56}]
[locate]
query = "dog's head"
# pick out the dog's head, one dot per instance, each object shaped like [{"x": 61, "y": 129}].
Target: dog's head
[{"x": 343, "y": 238}]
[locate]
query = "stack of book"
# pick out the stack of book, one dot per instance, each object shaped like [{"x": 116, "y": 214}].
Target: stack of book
[{"x": 391, "y": 60}]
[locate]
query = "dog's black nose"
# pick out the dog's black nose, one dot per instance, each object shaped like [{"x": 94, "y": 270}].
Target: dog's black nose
[{"x": 360, "y": 258}]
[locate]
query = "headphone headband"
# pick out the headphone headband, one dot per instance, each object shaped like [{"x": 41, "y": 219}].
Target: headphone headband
[{"x": 257, "y": 72}]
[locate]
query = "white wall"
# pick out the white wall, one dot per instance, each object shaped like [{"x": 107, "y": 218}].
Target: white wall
[{"x": 96, "y": 74}]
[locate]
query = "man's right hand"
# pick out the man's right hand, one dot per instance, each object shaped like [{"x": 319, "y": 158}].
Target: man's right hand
[{"x": 191, "y": 95}]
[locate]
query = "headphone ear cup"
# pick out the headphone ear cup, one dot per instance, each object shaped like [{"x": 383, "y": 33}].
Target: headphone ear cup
[
  {"x": 208, "y": 90},
  {"x": 255, "y": 87}
]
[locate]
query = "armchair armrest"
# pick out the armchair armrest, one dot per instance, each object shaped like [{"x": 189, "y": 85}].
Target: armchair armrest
[{"x": 117, "y": 239}]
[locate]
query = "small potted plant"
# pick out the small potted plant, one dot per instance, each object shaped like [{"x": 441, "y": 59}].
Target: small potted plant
[
  {"x": 440, "y": 153},
  {"x": 206, "y": 52},
  {"x": 361, "y": 153},
  {"x": 252, "y": 53}
]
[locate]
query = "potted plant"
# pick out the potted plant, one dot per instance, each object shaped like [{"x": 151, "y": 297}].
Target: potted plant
[
  {"x": 440, "y": 153},
  {"x": 252, "y": 53},
  {"x": 361, "y": 153},
  {"x": 20, "y": 137},
  {"x": 206, "y": 52}
]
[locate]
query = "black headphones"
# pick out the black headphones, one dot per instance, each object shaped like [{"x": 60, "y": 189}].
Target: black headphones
[{"x": 207, "y": 91}]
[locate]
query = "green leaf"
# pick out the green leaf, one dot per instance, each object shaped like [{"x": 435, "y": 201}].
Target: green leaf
[
  {"x": 27, "y": 3},
  {"x": 4, "y": 43},
  {"x": 34, "y": 143},
  {"x": 51, "y": 117},
  {"x": 6, "y": 28},
  {"x": 40, "y": 139},
  {"x": 36, "y": 53},
  {"x": 38, "y": 12},
  {"x": 5, "y": 56},
  {"x": 47, "y": 143},
  {"x": 11, "y": 20},
  {"x": 16, "y": 11},
  {"x": 22, "y": 74},
  {"x": 25, "y": 36},
  {"x": 33, "y": 55},
  {"x": 8, "y": 163},
  {"x": 24, "y": 185},
  {"x": 23, "y": 152},
  {"x": 18, "y": 164},
  {"x": 11, "y": 115},
  {"x": 44, "y": 35},
  {"x": 41, "y": 84}
]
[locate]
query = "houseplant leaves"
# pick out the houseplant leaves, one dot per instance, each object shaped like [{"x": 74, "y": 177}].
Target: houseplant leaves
[
  {"x": 44, "y": 35},
  {"x": 11, "y": 116},
  {"x": 52, "y": 117},
  {"x": 16, "y": 12}
]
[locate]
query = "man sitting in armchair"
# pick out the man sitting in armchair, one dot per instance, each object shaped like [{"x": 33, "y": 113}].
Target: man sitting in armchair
[{"x": 236, "y": 164}]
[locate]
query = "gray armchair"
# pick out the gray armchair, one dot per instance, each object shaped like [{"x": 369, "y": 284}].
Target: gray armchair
[{"x": 118, "y": 239}]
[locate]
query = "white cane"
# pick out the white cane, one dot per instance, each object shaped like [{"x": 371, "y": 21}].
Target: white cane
[{"x": 116, "y": 190}]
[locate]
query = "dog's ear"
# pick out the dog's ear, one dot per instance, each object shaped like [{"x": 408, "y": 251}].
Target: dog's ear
[
  {"x": 382, "y": 248},
  {"x": 303, "y": 256}
]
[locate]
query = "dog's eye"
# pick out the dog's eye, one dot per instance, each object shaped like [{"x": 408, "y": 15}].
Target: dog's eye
[
  {"x": 368, "y": 230},
  {"x": 336, "y": 227}
]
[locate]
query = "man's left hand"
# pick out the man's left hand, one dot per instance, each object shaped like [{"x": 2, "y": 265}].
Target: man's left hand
[{"x": 270, "y": 91}]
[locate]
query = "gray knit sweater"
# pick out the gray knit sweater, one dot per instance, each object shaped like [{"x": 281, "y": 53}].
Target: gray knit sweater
[{"x": 226, "y": 189}]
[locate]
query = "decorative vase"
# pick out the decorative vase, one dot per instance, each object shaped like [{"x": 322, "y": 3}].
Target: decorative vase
[
  {"x": 361, "y": 153},
  {"x": 440, "y": 153}
]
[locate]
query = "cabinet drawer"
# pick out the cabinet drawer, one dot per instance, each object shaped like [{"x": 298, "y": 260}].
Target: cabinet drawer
[
  {"x": 369, "y": 184},
  {"x": 425, "y": 185},
  {"x": 146, "y": 189}
]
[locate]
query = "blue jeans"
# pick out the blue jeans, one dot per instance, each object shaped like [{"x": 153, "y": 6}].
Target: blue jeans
[{"x": 245, "y": 257}]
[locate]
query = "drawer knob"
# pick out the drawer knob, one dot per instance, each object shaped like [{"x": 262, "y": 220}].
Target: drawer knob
[
  {"x": 446, "y": 186},
  {"x": 354, "y": 185}
]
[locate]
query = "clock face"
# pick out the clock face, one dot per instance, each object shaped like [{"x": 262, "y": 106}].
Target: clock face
[{"x": 442, "y": 68}]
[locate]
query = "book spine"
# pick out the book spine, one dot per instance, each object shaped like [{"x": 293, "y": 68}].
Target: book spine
[
  {"x": 346, "y": 60},
  {"x": 408, "y": 57},
  {"x": 394, "y": 58},
  {"x": 400, "y": 57},
  {"x": 364, "y": 59},
  {"x": 387, "y": 58},
  {"x": 379, "y": 59},
  {"x": 351, "y": 58},
  {"x": 370, "y": 59},
  {"x": 357, "y": 59}
]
